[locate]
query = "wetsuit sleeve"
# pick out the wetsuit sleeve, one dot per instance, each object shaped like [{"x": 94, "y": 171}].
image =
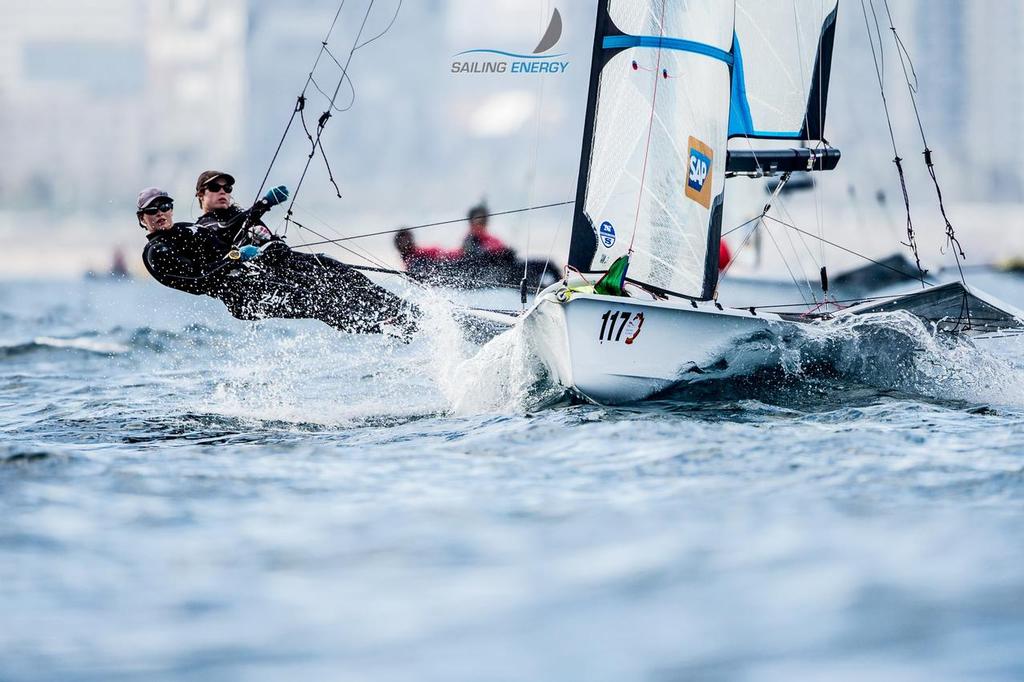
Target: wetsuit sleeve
[{"x": 178, "y": 270}]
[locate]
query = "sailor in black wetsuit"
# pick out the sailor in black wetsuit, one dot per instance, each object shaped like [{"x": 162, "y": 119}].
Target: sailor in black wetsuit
[
  {"x": 231, "y": 256},
  {"x": 177, "y": 255}
]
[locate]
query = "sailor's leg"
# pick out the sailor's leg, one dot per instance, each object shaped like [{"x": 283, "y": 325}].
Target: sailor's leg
[
  {"x": 345, "y": 298},
  {"x": 349, "y": 301}
]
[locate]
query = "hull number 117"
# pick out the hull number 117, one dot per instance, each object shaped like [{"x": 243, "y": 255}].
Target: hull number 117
[{"x": 620, "y": 326}]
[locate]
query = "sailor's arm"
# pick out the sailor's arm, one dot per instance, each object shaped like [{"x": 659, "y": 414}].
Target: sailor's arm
[{"x": 175, "y": 268}]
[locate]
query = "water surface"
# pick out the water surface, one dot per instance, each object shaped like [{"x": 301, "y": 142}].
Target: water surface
[{"x": 187, "y": 496}]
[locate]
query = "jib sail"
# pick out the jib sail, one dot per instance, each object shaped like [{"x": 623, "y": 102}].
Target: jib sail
[{"x": 782, "y": 61}]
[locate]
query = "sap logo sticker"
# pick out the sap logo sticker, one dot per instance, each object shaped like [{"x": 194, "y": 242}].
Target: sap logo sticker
[
  {"x": 607, "y": 234},
  {"x": 698, "y": 172},
  {"x": 699, "y": 168}
]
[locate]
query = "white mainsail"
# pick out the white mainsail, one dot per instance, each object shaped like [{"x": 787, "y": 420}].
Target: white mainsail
[
  {"x": 670, "y": 83},
  {"x": 657, "y": 165}
]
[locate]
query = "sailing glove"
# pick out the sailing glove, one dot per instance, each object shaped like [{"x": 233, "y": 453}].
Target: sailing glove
[{"x": 276, "y": 195}]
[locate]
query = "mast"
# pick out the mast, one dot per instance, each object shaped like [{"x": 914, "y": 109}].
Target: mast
[{"x": 583, "y": 244}]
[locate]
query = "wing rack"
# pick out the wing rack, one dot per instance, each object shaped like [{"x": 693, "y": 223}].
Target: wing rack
[{"x": 757, "y": 163}]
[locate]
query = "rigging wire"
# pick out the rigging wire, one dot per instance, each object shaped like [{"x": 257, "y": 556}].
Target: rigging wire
[
  {"x": 300, "y": 102},
  {"x": 315, "y": 144},
  {"x": 878, "y": 57},
  {"x": 379, "y": 265},
  {"x": 848, "y": 250},
  {"x": 905, "y": 61},
  {"x": 741, "y": 226},
  {"x": 792, "y": 276},
  {"x": 551, "y": 249},
  {"x": 650, "y": 128},
  {"x": 862, "y": 299},
  {"x": 387, "y": 28},
  {"x": 767, "y": 207},
  {"x": 327, "y": 226},
  {"x": 531, "y": 175},
  {"x": 436, "y": 224},
  {"x": 818, "y": 214},
  {"x": 799, "y": 260},
  {"x": 325, "y": 116},
  {"x": 810, "y": 254},
  {"x": 742, "y": 245}
]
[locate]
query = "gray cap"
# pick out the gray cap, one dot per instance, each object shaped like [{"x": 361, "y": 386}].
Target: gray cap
[{"x": 151, "y": 194}]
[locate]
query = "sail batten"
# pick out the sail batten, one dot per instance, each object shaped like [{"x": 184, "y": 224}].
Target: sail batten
[{"x": 624, "y": 41}]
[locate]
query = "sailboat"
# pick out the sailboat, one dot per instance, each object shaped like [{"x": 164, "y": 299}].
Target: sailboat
[{"x": 671, "y": 84}]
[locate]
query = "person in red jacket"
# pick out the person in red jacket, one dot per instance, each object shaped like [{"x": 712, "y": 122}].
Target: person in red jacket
[
  {"x": 479, "y": 241},
  {"x": 410, "y": 252}
]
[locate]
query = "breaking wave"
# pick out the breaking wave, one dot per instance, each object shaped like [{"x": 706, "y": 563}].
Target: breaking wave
[
  {"x": 84, "y": 344},
  {"x": 888, "y": 352}
]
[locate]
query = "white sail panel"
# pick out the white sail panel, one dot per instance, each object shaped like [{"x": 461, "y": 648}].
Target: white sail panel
[
  {"x": 783, "y": 53},
  {"x": 666, "y": 226},
  {"x": 709, "y": 22},
  {"x": 657, "y": 165}
]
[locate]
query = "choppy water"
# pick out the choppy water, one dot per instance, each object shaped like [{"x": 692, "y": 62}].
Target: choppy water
[{"x": 186, "y": 496}]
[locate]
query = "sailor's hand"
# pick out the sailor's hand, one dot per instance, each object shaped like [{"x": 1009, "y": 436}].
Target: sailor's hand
[
  {"x": 276, "y": 195},
  {"x": 248, "y": 252},
  {"x": 261, "y": 233}
]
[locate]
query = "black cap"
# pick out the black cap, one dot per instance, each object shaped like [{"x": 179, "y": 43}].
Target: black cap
[
  {"x": 478, "y": 211},
  {"x": 207, "y": 176}
]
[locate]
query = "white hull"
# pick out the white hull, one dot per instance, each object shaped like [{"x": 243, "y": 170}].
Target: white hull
[
  {"x": 597, "y": 346},
  {"x": 589, "y": 348}
]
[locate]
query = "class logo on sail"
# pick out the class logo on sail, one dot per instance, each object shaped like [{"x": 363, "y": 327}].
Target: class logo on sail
[
  {"x": 489, "y": 60},
  {"x": 698, "y": 172},
  {"x": 607, "y": 234}
]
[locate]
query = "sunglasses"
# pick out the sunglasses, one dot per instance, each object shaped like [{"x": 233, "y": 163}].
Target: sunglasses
[
  {"x": 159, "y": 208},
  {"x": 216, "y": 187}
]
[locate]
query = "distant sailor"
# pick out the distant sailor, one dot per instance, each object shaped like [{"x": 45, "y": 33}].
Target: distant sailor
[
  {"x": 483, "y": 261},
  {"x": 480, "y": 243},
  {"x": 426, "y": 262},
  {"x": 230, "y": 255}
]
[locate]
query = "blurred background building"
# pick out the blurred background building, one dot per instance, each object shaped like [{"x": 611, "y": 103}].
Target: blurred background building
[
  {"x": 101, "y": 97},
  {"x": 99, "y": 93}
]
